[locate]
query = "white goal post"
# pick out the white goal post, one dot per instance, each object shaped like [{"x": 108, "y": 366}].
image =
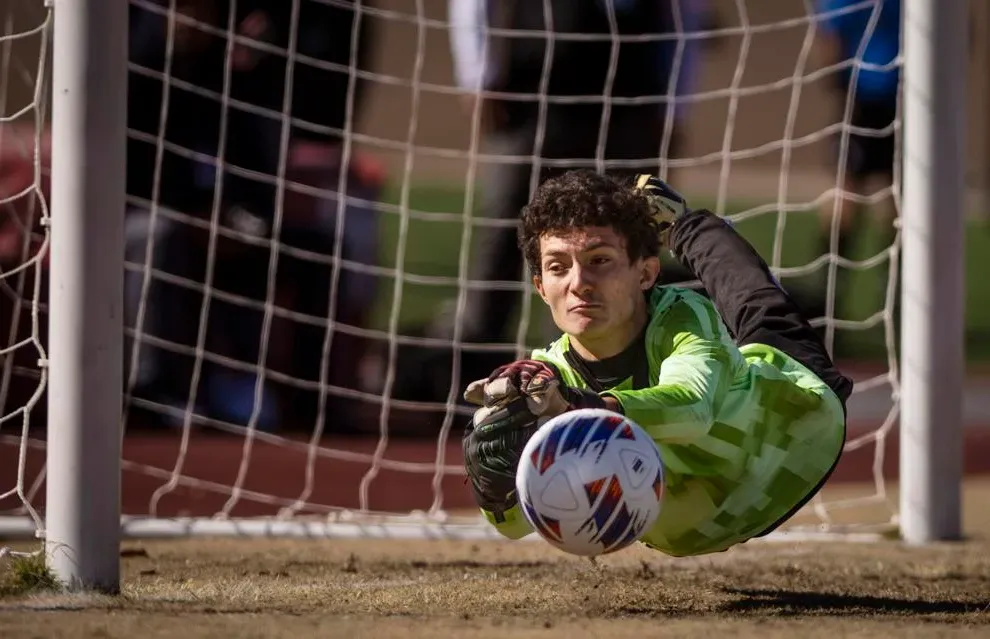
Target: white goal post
[
  {"x": 85, "y": 356},
  {"x": 82, "y": 366},
  {"x": 932, "y": 239}
]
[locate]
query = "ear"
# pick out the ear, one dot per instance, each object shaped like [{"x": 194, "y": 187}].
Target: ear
[
  {"x": 538, "y": 285},
  {"x": 649, "y": 272}
]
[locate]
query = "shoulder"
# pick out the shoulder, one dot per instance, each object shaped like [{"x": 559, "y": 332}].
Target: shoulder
[
  {"x": 768, "y": 358},
  {"x": 556, "y": 348},
  {"x": 675, "y": 309}
]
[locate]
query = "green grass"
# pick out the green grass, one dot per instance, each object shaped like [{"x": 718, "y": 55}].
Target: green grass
[
  {"x": 24, "y": 575},
  {"x": 433, "y": 249}
]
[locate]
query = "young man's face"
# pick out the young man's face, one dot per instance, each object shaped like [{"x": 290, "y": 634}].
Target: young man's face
[{"x": 594, "y": 292}]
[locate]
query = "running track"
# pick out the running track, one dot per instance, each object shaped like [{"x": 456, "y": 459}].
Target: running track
[{"x": 279, "y": 471}]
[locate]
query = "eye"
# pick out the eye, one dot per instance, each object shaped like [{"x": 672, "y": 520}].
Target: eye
[
  {"x": 600, "y": 260},
  {"x": 555, "y": 268}
]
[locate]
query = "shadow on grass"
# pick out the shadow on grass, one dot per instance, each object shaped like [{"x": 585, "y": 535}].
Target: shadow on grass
[{"x": 788, "y": 602}]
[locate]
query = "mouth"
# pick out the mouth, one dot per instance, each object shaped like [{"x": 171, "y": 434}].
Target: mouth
[{"x": 584, "y": 307}]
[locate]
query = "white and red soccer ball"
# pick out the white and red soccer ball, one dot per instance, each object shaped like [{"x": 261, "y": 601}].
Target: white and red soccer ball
[{"x": 590, "y": 482}]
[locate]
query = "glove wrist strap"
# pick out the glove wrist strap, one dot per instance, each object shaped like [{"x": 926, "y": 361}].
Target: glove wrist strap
[{"x": 584, "y": 398}]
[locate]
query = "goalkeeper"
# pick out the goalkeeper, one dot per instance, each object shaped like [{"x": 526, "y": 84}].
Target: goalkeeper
[{"x": 738, "y": 393}]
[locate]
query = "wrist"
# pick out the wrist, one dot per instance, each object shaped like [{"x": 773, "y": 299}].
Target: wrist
[
  {"x": 583, "y": 398},
  {"x": 511, "y": 523},
  {"x": 612, "y": 404}
]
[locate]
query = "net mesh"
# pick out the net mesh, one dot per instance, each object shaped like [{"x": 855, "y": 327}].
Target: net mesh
[
  {"x": 294, "y": 348},
  {"x": 24, "y": 84}
]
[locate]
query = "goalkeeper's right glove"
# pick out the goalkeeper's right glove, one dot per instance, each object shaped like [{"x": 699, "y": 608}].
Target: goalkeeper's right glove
[{"x": 668, "y": 205}]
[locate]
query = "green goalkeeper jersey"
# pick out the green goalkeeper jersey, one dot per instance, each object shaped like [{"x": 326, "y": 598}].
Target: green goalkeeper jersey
[{"x": 745, "y": 433}]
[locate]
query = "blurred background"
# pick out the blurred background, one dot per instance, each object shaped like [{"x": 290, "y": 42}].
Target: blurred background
[{"x": 314, "y": 231}]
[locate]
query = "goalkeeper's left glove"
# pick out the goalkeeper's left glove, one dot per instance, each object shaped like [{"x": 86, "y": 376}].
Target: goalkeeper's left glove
[
  {"x": 492, "y": 446},
  {"x": 539, "y": 382},
  {"x": 516, "y": 399},
  {"x": 668, "y": 205}
]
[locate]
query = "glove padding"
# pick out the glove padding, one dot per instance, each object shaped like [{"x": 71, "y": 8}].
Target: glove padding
[
  {"x": 539, "y": 383},
  {"x": 668, "y": 205},
  {"x": 516, "y": 399},
  {"x": 492, "y": 446}
]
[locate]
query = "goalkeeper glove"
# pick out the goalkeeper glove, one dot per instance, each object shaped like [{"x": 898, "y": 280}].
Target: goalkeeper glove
[
  {"x": 668, "y": 205},
  {"x": 492, "y": 446},
  {"x": 538, "y": 382},
  {"x": 516, "y": 399}
]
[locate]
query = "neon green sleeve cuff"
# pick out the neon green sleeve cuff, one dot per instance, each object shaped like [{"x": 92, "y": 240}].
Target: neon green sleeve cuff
[{"x": 513, "y": 525}]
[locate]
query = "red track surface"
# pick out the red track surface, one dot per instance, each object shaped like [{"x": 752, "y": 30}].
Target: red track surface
[{"x": 280, "y": 472}]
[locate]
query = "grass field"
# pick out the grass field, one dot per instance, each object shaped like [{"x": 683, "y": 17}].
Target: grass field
[
  {"x": 419, "y": 589},
  {"x": 432, "y": 248}
]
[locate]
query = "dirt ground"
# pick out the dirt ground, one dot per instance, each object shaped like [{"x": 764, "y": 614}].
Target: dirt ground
[{"x": 280, "y": 588}]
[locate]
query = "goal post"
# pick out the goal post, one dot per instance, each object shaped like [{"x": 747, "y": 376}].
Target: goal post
[
  {"x": 935, "y": 51},
  {"x": 85, "y": 361},
  {"x": 197, "y": 474}
]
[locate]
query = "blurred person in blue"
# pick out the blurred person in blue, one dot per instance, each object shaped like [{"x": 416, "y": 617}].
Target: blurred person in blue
[
  {"x": 218, "y": 129},
  {"x": 855, "y": 33},
  {"x": 502, "y": 77}
]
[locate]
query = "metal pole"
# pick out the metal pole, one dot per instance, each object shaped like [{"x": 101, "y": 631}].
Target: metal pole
[
  {"x": 933, "y": 324},
  {"x": 89, "y": 117}
]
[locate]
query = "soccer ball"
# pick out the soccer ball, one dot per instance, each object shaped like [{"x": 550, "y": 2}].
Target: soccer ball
[{"x": 590, "y": 481}]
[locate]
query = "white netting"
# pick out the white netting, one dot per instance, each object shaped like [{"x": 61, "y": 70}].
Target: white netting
[
  {"x": 290, "y": 351},
  {"x": 24, "y": 84}
]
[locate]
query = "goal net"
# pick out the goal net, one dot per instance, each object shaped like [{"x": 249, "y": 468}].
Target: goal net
[{"x": 314, "y": 241}]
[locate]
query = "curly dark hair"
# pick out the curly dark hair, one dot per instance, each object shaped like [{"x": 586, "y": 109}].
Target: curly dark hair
[{"x": 583, "y": 198}]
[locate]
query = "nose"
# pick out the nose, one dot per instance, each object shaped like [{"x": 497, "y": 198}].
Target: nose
[{"x": 581, "y": 280}]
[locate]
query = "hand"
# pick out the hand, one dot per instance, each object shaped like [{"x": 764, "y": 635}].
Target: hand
[
  {"x": 492, "y": 446},
  {"x": 516, "y": 399},
  {"x": 538, "y": 382},
  {"x": 668, "y": 205},
  {"x": 494, "y": 441}
]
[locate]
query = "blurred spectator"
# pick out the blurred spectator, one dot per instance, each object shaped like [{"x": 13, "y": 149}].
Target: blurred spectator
[
  {"x": 512, "y": 125},
  {"x": 849, "y": 37},
  {"x": 222, "y": 152},
  {"x": 20, "y": 210},
  {"x": 692, "y": 17}
]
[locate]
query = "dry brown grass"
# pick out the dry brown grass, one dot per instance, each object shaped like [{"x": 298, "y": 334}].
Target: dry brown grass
[{"x": 244, "y": 588}]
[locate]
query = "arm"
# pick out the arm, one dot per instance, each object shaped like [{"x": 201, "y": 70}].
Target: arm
[{"x": 694, "y": 376}]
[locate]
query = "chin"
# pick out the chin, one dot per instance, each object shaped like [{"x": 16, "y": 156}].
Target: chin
[{"x": 582, "y": 326}]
